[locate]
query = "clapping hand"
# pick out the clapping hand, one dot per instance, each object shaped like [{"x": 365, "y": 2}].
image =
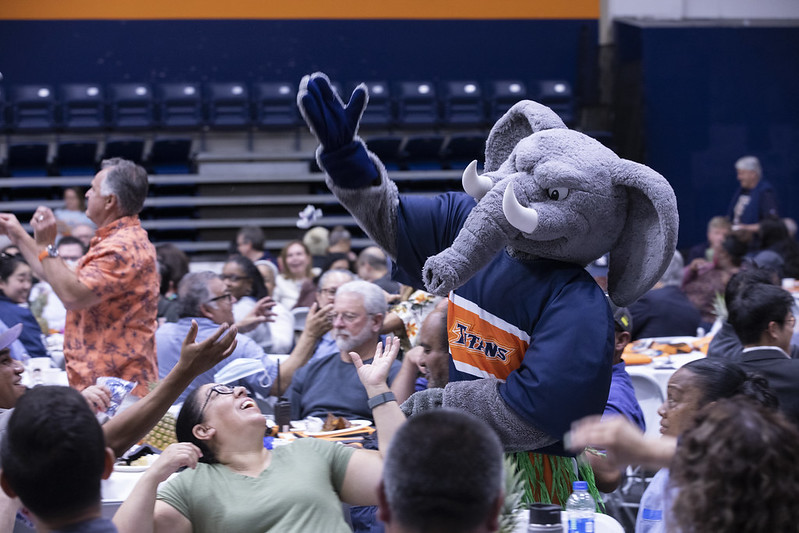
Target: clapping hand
[
  {"x": 373, "y": 376},
  {"x": 319, "y": 320},
  {"x": 45, "y": 226},
  {"x": 260, "y": 313},
  {"x": 200, "y": 357}
]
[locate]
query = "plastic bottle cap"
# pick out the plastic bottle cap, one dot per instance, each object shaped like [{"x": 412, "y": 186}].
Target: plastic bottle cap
[
  {"x": 544, "y": 513},
  {"x": 580, "y": 485}
]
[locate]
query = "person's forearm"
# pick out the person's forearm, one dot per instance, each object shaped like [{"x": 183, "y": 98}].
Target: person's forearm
[
  {"x": 30, "y": 251},
  {"x": 300, "y": 355},
  {"x": 388, "y": 418},
  {"x": 136, "y": 515},
  {"x": 132, "y": 424},
  {"x": 404, "y": 383},
  {"x": 65, "y": 283},
  {"x": 658, "y": 453},
  {"x": 8, "y": 511}
]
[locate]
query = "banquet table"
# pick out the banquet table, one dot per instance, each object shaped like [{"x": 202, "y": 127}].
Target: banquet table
[{"x": 650, "y": 363}]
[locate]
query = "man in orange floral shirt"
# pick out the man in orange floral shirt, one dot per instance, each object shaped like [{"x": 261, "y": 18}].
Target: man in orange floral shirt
[{"x": 112, "y": 297}]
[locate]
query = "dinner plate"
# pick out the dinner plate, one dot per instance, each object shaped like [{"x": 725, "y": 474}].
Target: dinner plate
[
  {"x": 129, "y": 468},
  {"x": 356, "y": 425}
]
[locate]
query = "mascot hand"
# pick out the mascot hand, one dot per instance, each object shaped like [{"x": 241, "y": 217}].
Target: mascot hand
[
  {"x": 334, "y": 124},
  {"x": 423, "y": 401}
]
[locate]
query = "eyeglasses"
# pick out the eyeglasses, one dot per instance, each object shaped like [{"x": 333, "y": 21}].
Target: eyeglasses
[
  {"x": 227, "y": 297},
  {"x": 348, "y": 318},
  {"x": 232, "y": 277},
  {"x": 328, "y": 292},
  {"x": 219, "y": 389}
]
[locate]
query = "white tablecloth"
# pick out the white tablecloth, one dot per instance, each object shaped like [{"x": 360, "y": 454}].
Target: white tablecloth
[
  {"x": 651, "y": 381},
  {"x": 661, "y": 368}
]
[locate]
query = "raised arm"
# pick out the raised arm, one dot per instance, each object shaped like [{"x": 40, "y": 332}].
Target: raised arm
[
  {"x": 355, "y": 175},
  {"x": 622, "y": 441},
  {"x": 140, "y": 513},
  {"x": 72, "y": 293},
  {"x": 365, "y": 468},
  {"x": 404, "y": 383},
  {"x": 317, "y": 324},
  {"x": 129, "y": 426}
]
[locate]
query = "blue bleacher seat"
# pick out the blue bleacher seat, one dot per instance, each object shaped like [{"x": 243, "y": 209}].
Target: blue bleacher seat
[
  {"x": 422, "y": 152},
  {"x": 76, "y": 158},
  {"x": 460, "y": 150},
  {"x": 463, "y": 104},
  {"x": 171, "y": 156},
  {"x": 502, "y": 95},
  {"x": 228, "y": 105},
  {"x": 82, "y": 107},
  {"x": 558, "y": 96},
  {"x": 32, "y": 108},
  {"x": 131, "y": 106},
  {"x": 417, "y": 105},
  {"x": 275, "y": 105},
  {"x": 380, "y": 111},
  {"x": 131, "y": 148},
  {"x": 28, "y": 159},
  {"x": 180, "y": 106},
  {"x": 387, "y": 148},
  {"x": 3, "y": 120}
]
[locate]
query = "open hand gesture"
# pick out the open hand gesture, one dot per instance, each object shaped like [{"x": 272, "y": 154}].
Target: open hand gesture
[
  {"x": 200, "y": 357},
  {"x": 373, "y": 376},
  {"x": 333, "y": 123}
]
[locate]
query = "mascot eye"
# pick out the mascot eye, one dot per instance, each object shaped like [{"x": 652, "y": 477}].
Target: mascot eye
[{"x": 558, "y": 193}]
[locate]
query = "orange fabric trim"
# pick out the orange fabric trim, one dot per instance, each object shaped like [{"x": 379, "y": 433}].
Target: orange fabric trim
[{"x": 299, "y": 9}]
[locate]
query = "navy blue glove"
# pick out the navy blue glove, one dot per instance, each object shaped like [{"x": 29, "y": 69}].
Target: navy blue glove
[{"x": 335, "y": 125}]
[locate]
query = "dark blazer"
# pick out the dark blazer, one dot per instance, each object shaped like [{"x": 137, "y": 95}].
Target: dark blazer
[
  {"x": 664, "y": 312},
  {"x": 781, "y": 372}
]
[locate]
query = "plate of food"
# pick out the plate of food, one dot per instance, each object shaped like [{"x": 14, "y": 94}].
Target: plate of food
[
  {"x": 136, "y": 465},
  {"x": 338, "y": 425}
]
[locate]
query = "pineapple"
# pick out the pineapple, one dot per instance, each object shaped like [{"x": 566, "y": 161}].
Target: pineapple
[
  {"x": 163, "y": 434},
  {"x": 514, "y": 493}
]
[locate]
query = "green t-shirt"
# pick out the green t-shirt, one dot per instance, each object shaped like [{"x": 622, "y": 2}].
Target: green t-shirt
[{"x": 298, "y": 492}]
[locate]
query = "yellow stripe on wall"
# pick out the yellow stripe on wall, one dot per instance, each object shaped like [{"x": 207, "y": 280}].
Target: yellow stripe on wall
[{"x": 298, "y": 9}]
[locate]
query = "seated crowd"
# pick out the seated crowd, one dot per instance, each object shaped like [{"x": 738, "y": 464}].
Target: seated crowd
[{"x": 330, "y": 332}]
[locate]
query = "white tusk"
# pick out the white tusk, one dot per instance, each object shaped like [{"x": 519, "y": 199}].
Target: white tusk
[
  {"x": 524, "y": 219},
  {"x": 475, "y": 185}
]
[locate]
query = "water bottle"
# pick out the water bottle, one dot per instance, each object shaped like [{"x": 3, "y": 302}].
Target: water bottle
[
  {"x": 544, "y": 518},
  {"x": 580, "y": 509}
]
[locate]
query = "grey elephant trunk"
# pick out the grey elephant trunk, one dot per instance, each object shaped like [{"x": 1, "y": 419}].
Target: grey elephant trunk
[{"x": 475, "y": 246}]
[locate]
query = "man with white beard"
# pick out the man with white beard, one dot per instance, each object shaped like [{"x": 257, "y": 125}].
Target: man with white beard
[{"x": 330, "y": 384}]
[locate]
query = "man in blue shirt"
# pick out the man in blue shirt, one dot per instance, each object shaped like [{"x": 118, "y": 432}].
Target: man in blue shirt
[{"x": 204, "y": 298}]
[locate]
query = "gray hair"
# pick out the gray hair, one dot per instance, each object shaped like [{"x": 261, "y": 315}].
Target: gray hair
[
  {"x": 193, "y": 292},
  {"x": 128, "y": 182},
  {"x": 429, "y": 486},
  {"x": 253, "y": 235},
  {"x": 374, "y": 257},
  {"x": 673, "y": 274},
  {"x": 338, "y": 234},
  {"x": 374, "y": 301},
  {"x": 749, "y": 162},
  {"x": 340, "y": 271}
]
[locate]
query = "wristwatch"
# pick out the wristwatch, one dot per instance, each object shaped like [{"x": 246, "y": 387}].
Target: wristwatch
[{"x": 50, "y": 251}]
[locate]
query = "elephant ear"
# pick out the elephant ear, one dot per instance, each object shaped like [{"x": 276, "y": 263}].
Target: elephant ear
[
  {"x": 649, "y": 237},
  {"x": 521, "y": 120}
]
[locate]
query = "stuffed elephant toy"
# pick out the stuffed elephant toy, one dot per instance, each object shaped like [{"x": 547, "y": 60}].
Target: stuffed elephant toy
[{"x": 530, "y": 333}]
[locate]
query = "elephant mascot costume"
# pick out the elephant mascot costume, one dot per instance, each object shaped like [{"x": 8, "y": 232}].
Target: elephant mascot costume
[{"x": 530, "y": 332}]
